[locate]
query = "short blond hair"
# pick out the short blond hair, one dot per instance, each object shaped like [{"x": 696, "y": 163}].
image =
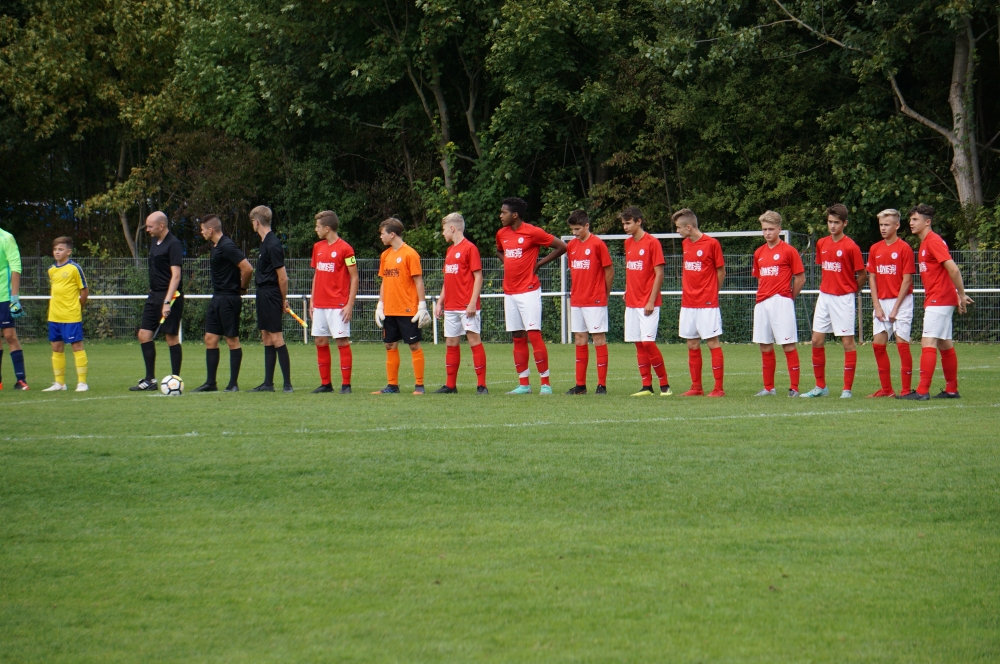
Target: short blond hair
[
  {"x": 262, "y": 215},
  {"x": 770, "y": 217},
  {"x": 456, "y": 220},
  {"x": 686, "y": 217},
  {"x": 890, "y": 212}
]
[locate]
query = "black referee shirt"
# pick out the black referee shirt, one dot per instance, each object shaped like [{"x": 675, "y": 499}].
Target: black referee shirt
[
  {"x": 225, "y": 259},
  {"x": 162, "y": 256},
  {"x": 271, "y": 257}
]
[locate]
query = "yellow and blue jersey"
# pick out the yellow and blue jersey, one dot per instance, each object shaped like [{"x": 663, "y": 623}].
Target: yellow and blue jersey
[{"x": 67, "y": 281}]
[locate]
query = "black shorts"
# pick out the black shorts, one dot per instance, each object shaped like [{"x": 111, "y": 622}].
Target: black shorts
[
  {"x": 223, "y": 315},
  {"x": 270, "y": 310},
  {"x": 153, "y": 311},
  {"x": 401, "y": 328}
]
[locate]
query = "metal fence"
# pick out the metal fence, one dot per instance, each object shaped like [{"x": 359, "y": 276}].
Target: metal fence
[{"x": 118, "y": 287}]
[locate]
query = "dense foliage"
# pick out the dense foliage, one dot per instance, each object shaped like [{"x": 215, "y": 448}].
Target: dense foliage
[{"x": 413, "y": 108}]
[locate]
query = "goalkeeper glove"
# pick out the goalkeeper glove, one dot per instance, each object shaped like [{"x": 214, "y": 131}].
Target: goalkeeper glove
[
  {"x": 16, "y": 310},
  {"x": 379, "y": 313},
  {"x": 422, "y": 317}
]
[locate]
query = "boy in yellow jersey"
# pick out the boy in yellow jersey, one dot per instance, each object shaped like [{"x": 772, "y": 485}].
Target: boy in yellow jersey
[
  {"x": 401, "y": 309},
  {"x": 69, "y": 294}
]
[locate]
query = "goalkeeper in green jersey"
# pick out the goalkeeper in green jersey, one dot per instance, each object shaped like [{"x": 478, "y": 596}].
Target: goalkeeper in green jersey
[{"x": 10, "y": 305}]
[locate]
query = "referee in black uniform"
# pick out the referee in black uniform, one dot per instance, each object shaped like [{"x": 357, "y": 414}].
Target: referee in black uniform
[
  {"x": 231, "y": 274},
  {"x": 272, "y": 303},
  {"x": 166, "y": 256}
]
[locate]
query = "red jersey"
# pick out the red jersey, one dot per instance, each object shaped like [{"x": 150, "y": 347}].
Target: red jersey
[
  {"x": 640, "y": 259},
  {"x": 939, "y": 291},
  {"x": 889, "y": 262},
  {"x": 774, "y": 268},
  {"x": 460, "y": 265},
  {"x": 332, "y": 283},
  {"x": 840, "y": 262},
  {"x": 587, "y": 261},
  {"x": 520, "y": 253},
  {"x": 700, "y": 280}
]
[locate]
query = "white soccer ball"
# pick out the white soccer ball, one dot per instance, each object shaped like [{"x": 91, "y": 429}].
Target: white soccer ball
[{"x": 172, "y": 386}]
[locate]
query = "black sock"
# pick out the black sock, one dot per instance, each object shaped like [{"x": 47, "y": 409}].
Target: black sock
[
  {"x": 1, "y": 366},
  {"x": 175, "y": 359},
  {"x": 286, "y": 365},
  {"x": 235, "y": 360},
  {"x": 212, "y": 362},
  {"x": 17, "y": 359},
  {"x": 270, "y": 357},
  {"x": 149, "y": 357}
]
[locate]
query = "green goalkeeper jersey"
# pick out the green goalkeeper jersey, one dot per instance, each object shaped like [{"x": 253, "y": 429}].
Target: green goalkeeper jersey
[{"x": 10, "y": 261}]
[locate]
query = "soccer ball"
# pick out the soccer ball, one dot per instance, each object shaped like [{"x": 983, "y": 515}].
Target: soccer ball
[{"x": 172, "y": 386}]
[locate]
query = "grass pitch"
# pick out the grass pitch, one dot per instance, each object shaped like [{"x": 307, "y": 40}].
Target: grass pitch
[{"x": 302, "y": 528}]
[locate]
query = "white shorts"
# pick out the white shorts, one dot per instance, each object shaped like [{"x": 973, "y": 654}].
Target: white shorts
[
  {"x": 937, "y": 322},
  {"x": 523, "y": 311},
  {"x": 590, "y": 319},
  {"x": 700, "y": 323},
  {"x": 904, "y": 319},
  {"x": 774, "y": 321},
  {"x": 835, "y": 314},
  {"x": 456, "y": 323},
  {"x": 639, "y": 326},
  {"x": 328, "y": 323}
]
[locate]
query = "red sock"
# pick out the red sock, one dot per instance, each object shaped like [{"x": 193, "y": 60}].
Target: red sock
[
  {"x": 767, "y": 358},
  {"x": 949, "y": 365},
  {"x": 346, "y": 362},
  {"x": 479, "y": 362},
  {"x": 694, "y": 365},
  {"x": 643, "y": 359},
  {"x": 819, "y": 366},
  {"x": 521, "y": 358},
  {"x": 850, "y": 364},
  {"x": 323, "y": 360},
  {"x": 582, "y": 357},
  {"x": 541, "y": 354},
  {"x": 452, "y": 359},
  {"x": 602, "y": 364},
  {"x": 928, "y": 358},
  {"x": 792, "y": 359},
  {"x": 905, "y": 365},
  {"x": 718, "y": 367},
  {"x": 884, "y": 369},
  {"x": 656, "y": 362}
]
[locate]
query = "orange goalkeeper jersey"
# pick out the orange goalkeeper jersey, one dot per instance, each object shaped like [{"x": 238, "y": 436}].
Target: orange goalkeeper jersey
[{"x": 397, "y": 269}]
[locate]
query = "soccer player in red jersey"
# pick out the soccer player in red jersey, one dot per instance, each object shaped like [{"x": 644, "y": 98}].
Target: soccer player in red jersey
[
  {"x": 518, "y": 243},
  {"x": 843, "y": 275},
  {"x": 591, "y": 274},
  {"x": 334, "y": 287},
  {"x": 459, "y": 304},
  {"x": 704, "y": 271},
  {"x": 890, "y": 278},
  {"x": 943, "y": 293},
  {"x": 780, "y": 277},
  {"x": 643, "y": 280}
]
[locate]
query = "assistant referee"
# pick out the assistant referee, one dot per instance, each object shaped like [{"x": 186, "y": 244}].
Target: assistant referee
[
  {"x": 231, "y": 272},
  {"x": 166, "y": 255},
  {"x": 272, "y": 303}
]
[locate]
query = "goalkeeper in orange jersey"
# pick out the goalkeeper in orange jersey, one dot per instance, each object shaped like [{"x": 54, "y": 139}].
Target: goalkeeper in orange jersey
[{"x": 402, "y": 309}]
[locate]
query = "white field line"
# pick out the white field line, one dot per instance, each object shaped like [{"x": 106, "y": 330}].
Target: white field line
[
  {"x": 510, "y": 425},
  {"x": 62, "y": 402}
]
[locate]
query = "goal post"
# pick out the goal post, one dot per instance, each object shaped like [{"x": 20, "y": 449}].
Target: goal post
[{"x": 566, "y": 335}]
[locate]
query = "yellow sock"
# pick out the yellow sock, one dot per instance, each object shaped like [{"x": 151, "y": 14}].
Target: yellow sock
[
  {"x": 80, "y": 356},
  {"x": 59, "y": 367}
]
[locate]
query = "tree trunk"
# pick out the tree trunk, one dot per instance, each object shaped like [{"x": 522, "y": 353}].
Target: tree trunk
[
  {"x": 965, "y": 159},
  {"x": 123, "y": 213},
  {"x": 443, "y": 128}
]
